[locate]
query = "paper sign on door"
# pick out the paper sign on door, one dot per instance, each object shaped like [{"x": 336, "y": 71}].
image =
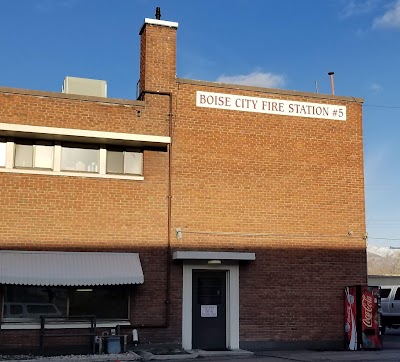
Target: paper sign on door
[{"x": 209, "y": 311}]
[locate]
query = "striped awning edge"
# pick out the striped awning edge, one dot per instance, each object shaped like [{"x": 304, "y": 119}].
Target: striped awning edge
[{"x": 69, "y": 268}]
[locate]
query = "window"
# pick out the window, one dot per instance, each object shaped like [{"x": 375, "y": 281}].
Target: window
[
  {"x": 385, "y": 293},
  {"x": 397, "y": 295},
  {"x": 30, "y": 302},
  {"x": 13, "y": 310},
  {"x": 82, "y": 158},
  {"x": 124, "y": 161},
  {"x": 34, "y": 155},
  {"x": 71, "y": 159},
  {"x": 108, "y": 302},
  {"x": 2, "y": 153}
]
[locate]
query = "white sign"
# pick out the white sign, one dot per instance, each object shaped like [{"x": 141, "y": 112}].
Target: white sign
[
  {"x": 209, "y": 311},
  {"x": 270, "y": 106}
]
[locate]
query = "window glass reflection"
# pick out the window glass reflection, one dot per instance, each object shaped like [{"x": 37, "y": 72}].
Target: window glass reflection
[
  {"x": 83, "y": 159},
  {"x": 34, "y": 154},
  {"x": 23, "y": 156},
  {"x": 115, "y": 162},
  {"x": 30, "y": 302},
  {"x": 44, "y": 156},
  {"x": 120, "y": 161},
  {"x": 133, "y": 163}
]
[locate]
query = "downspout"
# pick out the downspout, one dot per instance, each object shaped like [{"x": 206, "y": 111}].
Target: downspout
[{"x": 168, "y": 266}]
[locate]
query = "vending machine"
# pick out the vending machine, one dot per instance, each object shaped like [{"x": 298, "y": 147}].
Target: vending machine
[{"x": 362, "y": 317}]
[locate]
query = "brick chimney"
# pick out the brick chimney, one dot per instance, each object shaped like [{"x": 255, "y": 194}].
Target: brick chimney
[{"x": 157, "y": 55}]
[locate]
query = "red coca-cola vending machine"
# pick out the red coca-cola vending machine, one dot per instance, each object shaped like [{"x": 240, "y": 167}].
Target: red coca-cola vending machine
[{"x": 362, "y": 305}]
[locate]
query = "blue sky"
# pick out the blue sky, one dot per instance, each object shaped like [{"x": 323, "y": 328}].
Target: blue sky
[{"x": 287, "y": 44}]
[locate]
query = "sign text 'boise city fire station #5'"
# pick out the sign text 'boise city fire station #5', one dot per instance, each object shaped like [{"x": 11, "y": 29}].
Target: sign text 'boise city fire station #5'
[{"x": 271, "y": 106}]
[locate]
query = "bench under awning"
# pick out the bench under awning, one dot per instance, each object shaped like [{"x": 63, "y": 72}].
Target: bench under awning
[{"x": 69, "y": 268}]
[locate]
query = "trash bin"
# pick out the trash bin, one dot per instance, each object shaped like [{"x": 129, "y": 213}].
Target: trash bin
[{"x": 113, "y": 344}]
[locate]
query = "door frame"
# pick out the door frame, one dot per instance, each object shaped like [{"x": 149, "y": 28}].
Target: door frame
[{"x": 232, "y": 301}]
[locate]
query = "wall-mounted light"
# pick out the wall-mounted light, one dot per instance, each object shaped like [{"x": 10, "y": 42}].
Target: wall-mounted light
[
  {"x": 84, "y": 290},
  {"x": 178, "y": 233},
  {"x": 214, "y": 262}
]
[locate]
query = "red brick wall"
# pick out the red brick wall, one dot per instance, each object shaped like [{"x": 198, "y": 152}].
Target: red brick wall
[
  {"x": 58, "y": 110},
  {"x": 44, "y": 212},
  {"x": 296, "y": 181}
]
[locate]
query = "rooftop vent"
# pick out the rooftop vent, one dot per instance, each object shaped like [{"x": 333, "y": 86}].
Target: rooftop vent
[
  {"x": 158, "y": 13},
  {"x": 85, "y": 87}
]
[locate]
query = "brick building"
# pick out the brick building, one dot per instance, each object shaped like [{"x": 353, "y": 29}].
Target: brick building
[{"x": 203, "y": 214}]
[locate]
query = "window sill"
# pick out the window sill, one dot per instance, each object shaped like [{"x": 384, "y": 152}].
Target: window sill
[
  {"x": 62, "y": 325},
  {"x": 75, "y": 174}
]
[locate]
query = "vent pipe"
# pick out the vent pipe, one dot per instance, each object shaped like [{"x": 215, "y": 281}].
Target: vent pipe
[
  {"x": 158, "y": 13},
  {"x": 332, "y": 82}
]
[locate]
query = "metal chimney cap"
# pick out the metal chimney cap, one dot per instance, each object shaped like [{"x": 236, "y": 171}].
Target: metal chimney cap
[{"x": 331, "y": 73}]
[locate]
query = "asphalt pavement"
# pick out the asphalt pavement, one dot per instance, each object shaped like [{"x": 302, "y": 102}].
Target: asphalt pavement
[
  {"x": 273, "y": 356},
  {"x": 390, "y": 352}
]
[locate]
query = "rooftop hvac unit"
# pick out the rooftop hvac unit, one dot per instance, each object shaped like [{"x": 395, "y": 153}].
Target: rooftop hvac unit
[{"x": 85, "y": 87}]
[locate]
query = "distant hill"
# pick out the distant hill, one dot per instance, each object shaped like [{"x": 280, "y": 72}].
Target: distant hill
[{"x": 383, "y": 260}]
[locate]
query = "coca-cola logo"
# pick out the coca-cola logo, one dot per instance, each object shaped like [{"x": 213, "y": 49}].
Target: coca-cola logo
[
  {"x": 367, "y": 308},
  {"x": 348, "y": 314}
]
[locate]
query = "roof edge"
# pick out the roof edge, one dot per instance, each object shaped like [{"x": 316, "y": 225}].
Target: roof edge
[{"x": 36, "y": 93}]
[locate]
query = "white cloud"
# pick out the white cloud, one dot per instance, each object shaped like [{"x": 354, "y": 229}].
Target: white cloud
[
  {"x": 257, "y": 79},
  {"x": 391, "y": 19},
  {"x": 357, "y": 7}
]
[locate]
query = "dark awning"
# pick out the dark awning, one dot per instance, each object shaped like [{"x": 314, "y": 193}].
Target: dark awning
[{"x": 69, "y": 268}]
